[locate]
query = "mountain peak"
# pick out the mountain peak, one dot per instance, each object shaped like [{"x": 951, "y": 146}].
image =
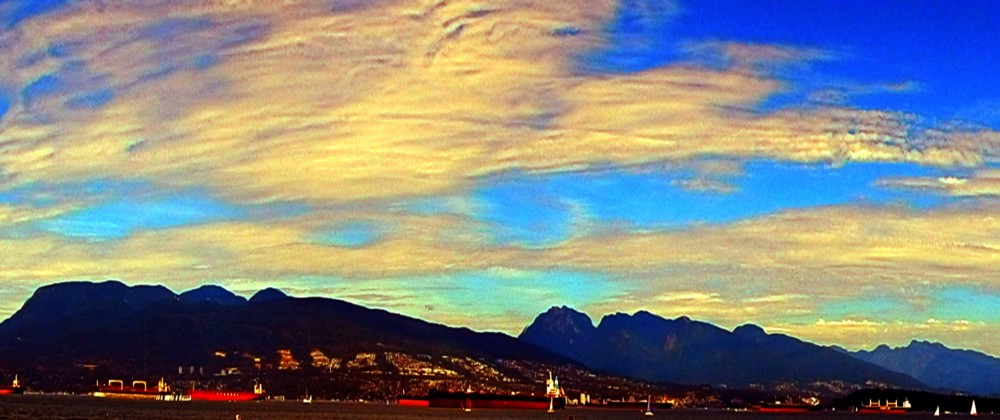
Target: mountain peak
[
  {"x": 267, "y": 295},
  {"x": 560, "y": 317},
  {"x": 560, "y": 329},
  {"x": 648, "y": 316},
  {"x": 213, "y": 294},
  {"x": 70, "y": 297},
  {"x": 749, "y": 331},
  {"x": 563, "y": 311},
  {"x": 926, "y": 344},
  {"x": 112, "y": 298}
]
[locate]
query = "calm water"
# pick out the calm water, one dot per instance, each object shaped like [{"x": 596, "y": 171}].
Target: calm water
[{"x": 87, "y": 408}]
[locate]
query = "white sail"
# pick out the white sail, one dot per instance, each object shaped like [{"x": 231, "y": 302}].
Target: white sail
[
  {"x": 937, "y": 411},
  {"x": 649, "y": 406},
  {"x": 973, "y": 411}
]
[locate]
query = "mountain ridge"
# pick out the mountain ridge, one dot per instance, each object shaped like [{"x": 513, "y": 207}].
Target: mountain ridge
[
  {"x": 939, "y": 366},
  {"x": 73, "y": 323},
  {"x": 208, "y": 319},
  {"x": 650, "y": 347}
]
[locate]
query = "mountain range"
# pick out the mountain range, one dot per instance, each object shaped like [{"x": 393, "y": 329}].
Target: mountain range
[
  {"x": 939, "y": 366},
  {"x": 682, "y": 350},
  {"x": 109, "y": 323},
  {"x": 121, "y": 328}
]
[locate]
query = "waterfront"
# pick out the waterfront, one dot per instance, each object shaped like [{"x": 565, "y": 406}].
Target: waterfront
[{"x": 87, "y": 408}]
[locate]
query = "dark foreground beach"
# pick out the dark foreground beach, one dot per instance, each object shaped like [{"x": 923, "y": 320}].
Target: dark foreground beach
[{"x": 88, "y": 408}]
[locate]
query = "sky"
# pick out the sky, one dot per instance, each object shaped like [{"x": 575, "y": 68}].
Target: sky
[{"x": 827, "y": 169}]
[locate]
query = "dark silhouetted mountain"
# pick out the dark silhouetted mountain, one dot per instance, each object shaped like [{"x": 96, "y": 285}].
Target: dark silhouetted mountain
[
  {"x": 110, "y": 300},
  {"x": 267, "y": 295},
  {"x": 649, "y": 347},
  {"x": 939, "y": 366},
  {"x": 561, "y": 329},
  {"x": 212, "y": 294},
  {"x": 110, "y": 324}
]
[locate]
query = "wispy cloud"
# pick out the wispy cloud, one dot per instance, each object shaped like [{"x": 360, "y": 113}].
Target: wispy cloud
[
  {"x": 371, "y": 140},
  {"x": 755, "y": 58},
  {"x": 982, "y": 183},
  {"x": 865, "y": 334},
  {"x": 397, "y": 99}
]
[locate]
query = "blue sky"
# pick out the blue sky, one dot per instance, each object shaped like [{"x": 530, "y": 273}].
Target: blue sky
[
  {"x": 948, "y": 52},
  {"x": 535, "y": 210},
  {"x": 753, "y": 161}
]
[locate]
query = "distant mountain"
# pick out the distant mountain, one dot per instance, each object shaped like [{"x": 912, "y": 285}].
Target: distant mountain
[
  {"x": 107, "y": 301},
  {"x": 650, "y": 347},
  {"x": 267, "y": 295},
  {"x": 150, "y": 327},
  {"x": 212, "y": 294},
  {"x": 939, "y": 366}
]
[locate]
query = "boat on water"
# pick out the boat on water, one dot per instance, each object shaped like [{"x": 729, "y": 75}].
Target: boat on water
[
  {"x": 138, "y": 390},
  {"x": 553, "y": 399},
  {"x": 229, "y": 395},
  {"x": 405, "y": 401},
  {"x": 973, "y": 412},
  {"x": 633, "y": 405},
  {"x": 649, "y": 407},
  {"x": 14, "y": 388},
  {"x": 890, "y": 407}
]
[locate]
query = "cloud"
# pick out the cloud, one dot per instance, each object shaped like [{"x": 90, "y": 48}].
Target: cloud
[
  {"x": 412, "y": 98},
  {"x": 14, "y": 215},
  {"x": 857, "y": 245},
  {"x": 841, "y": 94},
  {"x": 982, "y": 183},
  {"x": 396, "y": 99},
  {"x": 857, "y": 334},
  {"x": 358, "y": 109},
  {"x": 701, "y": 184},
  {"x": 759, "y": 270},
  {"x": 754, "y": 58},
  {"x": 697, "y": 298},
  {"x": 775, "y": 298}
]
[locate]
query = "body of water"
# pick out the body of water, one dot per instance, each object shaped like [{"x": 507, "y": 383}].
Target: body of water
[{"x": 89, "y": 408}]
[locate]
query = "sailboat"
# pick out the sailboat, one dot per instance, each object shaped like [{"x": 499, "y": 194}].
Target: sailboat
[
  {"x": 467, "y": 406},
  {"x": 649, "y": 406},
  {"x": 937, "y": 411},
  {"x": 973, "y": 412}
]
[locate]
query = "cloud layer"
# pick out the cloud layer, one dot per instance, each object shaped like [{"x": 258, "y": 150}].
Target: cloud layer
[{"x": 267, "y": 129}]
